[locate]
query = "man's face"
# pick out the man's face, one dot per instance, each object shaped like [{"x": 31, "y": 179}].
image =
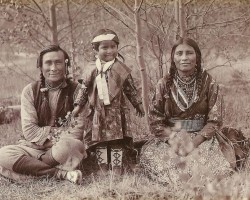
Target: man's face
[{"x": 53, "y": 67}]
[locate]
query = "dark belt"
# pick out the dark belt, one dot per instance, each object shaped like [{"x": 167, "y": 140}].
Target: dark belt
[{"x": 190, "y": 125}]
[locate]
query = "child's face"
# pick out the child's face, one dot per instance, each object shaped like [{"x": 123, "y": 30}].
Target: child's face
[{"x": 107, "y": 50}]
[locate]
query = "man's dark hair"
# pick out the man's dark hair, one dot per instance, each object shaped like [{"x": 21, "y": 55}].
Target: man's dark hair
[{"x": 51, "y": 48}]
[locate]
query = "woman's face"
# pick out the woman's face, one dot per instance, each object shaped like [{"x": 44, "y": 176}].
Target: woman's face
[
  {"x": 107, "y": 50},
  {"x": 185, "y": 59},
  {"x": 53, "y": 67}
]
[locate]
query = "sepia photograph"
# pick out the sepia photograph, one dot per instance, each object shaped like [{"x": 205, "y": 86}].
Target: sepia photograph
[{"x": 124, "y": 99}]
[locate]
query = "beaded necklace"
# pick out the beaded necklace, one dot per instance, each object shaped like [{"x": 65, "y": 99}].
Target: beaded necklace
[
  {"x": 186, "y": 91},
  {"x": 187, "y": 84},
  {"x": 49, "y": 87}
]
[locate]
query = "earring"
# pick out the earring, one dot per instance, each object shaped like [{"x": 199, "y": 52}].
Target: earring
[{"x": 66, "y": 66}]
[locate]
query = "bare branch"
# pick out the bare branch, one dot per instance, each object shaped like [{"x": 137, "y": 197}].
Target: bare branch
[
  {"x": 17, "y": 67},
  {"x": 40, "y": 44},
  {"x": 208, "y": 8},
  {"x": 140, "y": 4},
  {"x": 188, "y": 2},
  {"x": 39, "y": 33},
  {"x": 129, "y": 8},
  {"x": 133, "y": 31},
  {"x": 138, "y": 7},
  {"x": 30, "y": 9},
  {"x": 77, "y": 25},
  {"x": 58, "y": 2},
  {"x": 223, "y": 23},
  {"x": 117, "y": 11},
  {"x": 221, "y": 65},
  {"x": 80, "y": 9},
  {"x": 43, "y": 15},
  {"x": 128, "y": 45},
  {"x": 77, "y": 22}
]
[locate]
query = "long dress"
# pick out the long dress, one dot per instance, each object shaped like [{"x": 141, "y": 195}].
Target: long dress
[{"x": 202, "y": 116}]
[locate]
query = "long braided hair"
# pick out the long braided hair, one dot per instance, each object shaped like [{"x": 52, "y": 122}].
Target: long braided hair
[
  {"x": 105, "y": 32},
  {"x": 173, "y": 69},
  {"x": 44, "y": 110}
]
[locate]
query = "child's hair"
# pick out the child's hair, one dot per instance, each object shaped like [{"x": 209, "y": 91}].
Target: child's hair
[{"x": 105, "y": 32}]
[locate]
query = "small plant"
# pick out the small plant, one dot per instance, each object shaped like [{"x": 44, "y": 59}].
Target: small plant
[
  {"x": 7, "y": 115},
  {"x": 65, "y": 125}
]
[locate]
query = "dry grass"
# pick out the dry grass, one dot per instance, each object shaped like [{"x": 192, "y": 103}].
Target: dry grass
[
  {"x": 131, "y": 186},
  {"x": 127, "y": 187}
]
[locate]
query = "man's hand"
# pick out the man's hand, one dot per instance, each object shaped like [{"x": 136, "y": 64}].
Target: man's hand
[
  {"x": 48, "y": 144},
  {"x": 55, "y": 133}
]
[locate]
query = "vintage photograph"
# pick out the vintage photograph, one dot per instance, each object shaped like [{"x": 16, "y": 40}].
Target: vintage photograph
[{"x": 124, "y": 99}]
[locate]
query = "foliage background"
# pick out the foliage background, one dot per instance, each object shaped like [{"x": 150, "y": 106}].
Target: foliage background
[{"x": 221, "y": 28}]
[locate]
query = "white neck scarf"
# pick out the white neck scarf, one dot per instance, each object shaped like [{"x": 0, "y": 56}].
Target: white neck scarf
[{"x": 102, "y": 86}]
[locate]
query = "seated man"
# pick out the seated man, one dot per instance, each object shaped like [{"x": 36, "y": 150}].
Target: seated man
[{"x": 43, "y": 104}]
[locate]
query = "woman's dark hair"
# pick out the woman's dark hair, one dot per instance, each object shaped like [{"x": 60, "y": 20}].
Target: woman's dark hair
[
  {"x": 105, "y": 32},
  {"x": 173, "y": 69}
]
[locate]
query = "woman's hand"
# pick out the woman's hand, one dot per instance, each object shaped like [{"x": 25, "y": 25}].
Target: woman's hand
[
  {"x": 165, "y": 134},
  {"x": 198, "y": 139}
]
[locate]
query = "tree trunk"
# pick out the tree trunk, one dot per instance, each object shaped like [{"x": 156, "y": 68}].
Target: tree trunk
[
  {"x": 73, "y": 55},
  {"x": 160, "y": 57},
  {"x": 176, "y": 8},
  {"x": 140, "y": 59},
  {"x": 53, "y": 22},
  {"x": 180, "y": 19}
]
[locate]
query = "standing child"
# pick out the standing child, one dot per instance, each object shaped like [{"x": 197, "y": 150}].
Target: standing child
[{"x": 105, "y": 83}]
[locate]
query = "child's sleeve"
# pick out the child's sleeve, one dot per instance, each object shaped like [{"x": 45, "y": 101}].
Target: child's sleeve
[
  {"x": 130, "y": 91},
  {"x": 82, "y": 96}
]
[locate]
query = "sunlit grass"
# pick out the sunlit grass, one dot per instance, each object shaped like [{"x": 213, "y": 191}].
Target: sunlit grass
[{"x": 127, "y": 187}]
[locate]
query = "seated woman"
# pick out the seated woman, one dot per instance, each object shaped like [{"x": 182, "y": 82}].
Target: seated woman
[
  {"x": 185, "y": 117},
  {"x": 43, "y": 104}
]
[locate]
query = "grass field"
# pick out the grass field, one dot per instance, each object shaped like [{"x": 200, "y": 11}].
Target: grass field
[{"x": 130, "y": 186}]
